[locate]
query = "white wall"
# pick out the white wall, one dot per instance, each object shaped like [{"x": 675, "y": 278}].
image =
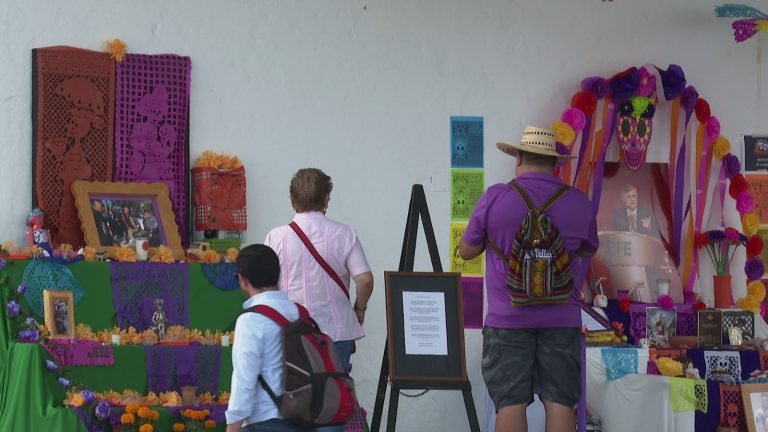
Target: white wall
[{"x": 364, "y": 90}]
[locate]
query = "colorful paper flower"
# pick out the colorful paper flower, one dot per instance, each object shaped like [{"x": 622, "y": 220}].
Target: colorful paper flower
[
  {"x": 649, "y": 112},
  {"x": 624, "y": 84},
  {"x": 51, "y": 366},
  {"x": 749, "y": 304},
  {"x": 689, "y": 99},
  {"x": 751, "y": 223},
  {"x": 713, "y": 128},
  {"x": 754, "y": 246},
  {"x": 574, "y": 118},
  {"x": 673, "y": 81},
  {"x": 731, "y": 235},
  {"x": 647, "y": 85},
  {"x": 584, "y": 101},
  {"x": 754, "y": 269},
  {"x": 738, "y": 185},
  {"x": 117, "y": 49},
  {"x": 756, "y": 289},
  {"x": 624, "y": 305},
  {"x": 14, "y": 309},
  {"x": 700, "y": 240},
  {"x": 563, "y": 133},
  {"x": 731, "y": 165},
  {"x": 639, "y": 104},
  {"x": 665, "y": 302},
  {"x": 703, "y": 112},
  {"x": 598, "y": 86},
  {"x": 744, "y": 203},
  {"x": 722, "y": 147},
  {"x": 699, "y": 305}
]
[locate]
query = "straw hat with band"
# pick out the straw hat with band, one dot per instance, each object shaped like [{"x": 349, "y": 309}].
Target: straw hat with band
[{"x": 535, "y": 140}]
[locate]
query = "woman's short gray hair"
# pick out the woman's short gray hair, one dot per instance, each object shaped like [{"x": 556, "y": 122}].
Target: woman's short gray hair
[{"x": 309, "y": 189}]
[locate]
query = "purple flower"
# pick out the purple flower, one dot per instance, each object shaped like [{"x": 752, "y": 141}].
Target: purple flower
[
  {"x": 31, "y": 322},
  {"x": 673, "y": 81},
  {"x": 649, "y": 112},
  {"x": 689, "y": 98},
  {"x": 64, "y": 382},
  {"x": 14, "y": 309},
  {"x": 51, "y": 366},
  {"x": 102, "y": 409},
  {"x": 715, "y": 236},
  {"x": 731, "y": 165},
  {"x": 754, "y": 268},
  {"x": 2, "y": 263},
  {"x": 598, "y": 86},
  {"x": 29, "y": 335},
  {"x": 623, "y": 86},
  {"x": 21, "y": 289},
  {"x": 88, "y": 396}
]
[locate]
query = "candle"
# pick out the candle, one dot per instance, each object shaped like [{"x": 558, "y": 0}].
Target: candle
[
  {"x": 115, "y": 339},
  {"x": 224, "y": 340}
]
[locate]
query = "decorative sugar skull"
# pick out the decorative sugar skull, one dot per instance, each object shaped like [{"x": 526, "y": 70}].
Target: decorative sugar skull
[{"x": 634, "y": 134}]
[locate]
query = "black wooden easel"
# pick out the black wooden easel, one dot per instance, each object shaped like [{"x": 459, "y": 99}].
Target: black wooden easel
[{"x": 417, "y": 207}]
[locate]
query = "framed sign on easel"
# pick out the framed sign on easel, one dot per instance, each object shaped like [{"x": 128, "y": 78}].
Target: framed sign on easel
[{"x": 425, "y": 330}]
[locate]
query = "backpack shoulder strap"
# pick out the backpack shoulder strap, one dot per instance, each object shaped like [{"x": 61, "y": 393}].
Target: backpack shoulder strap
[
  {"x": 311, "y": 248},
  {"x": 523, "y": 194},
  {"x": 497, "y": 250},
  {"x": 272, "y": 314},
  {"x": 553, "y": 199}
]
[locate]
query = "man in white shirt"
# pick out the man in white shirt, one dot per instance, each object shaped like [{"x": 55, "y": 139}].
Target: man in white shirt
[{"x": 257, "y": 349}]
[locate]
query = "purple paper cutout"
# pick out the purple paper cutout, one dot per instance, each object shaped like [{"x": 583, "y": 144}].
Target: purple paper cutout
[
  {"x": 80, "y": 352},
  {"x": 151, "y": 110},
  {"x": 134, "y": 282},
  {"x": 171, "y": 367},
  {"x": 472, "y": 302}
]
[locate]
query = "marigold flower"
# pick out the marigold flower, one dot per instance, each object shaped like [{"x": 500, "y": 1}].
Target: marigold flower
[
  {"x": 132, "y": 408},
  {"x": 144, "y": 412},
  {"x": 77, "y": 401},
  {"x": 178, "y": 427},
  {"x": 127, "y": 418},
  {"x": 146, "y": 428},
  {"x": 210, "y": 424}
]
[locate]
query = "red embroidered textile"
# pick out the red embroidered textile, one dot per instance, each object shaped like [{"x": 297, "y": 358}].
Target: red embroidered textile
[
  {"x": 73, "y": 120},
  {"x": 219, "y": 199}
]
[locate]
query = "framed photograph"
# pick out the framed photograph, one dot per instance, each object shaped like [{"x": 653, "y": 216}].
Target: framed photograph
[
  {"x": 117, "y": 214},
  {"x": 660, "y": 325},
  {"x": 59, "y": 307},
  {"x": 755, "y": 397}
]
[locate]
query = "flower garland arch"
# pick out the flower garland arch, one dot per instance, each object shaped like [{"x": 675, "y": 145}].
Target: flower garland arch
[{"x": 629, "y": 99}]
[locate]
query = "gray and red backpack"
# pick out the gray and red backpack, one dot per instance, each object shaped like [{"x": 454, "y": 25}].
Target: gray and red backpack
[{"x": 317, "y": 389}]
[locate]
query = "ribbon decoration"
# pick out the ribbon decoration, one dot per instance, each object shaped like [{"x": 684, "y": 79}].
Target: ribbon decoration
[
  {"x": 679, "y": 190},
  {"x": 610, "y": 112}
]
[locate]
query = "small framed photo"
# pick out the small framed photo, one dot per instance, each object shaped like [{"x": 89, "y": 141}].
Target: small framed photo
[
  {"x": 117, "y": 214},
  {"x": 755, "y": 397},
  {"x": 660, "y": 325},
  {"x": 59, "y": 307}
]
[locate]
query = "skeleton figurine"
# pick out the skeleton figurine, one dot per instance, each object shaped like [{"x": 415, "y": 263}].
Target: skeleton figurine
[{"x": 159, "y": 320}]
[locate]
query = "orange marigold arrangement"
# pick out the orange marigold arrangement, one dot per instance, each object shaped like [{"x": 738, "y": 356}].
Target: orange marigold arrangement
[
  {"x": 138, "y": 418},
  {"x": 195, "y": 420}
]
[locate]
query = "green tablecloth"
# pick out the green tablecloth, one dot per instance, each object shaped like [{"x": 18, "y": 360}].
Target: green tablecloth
[{"x": 30, "y": 397}]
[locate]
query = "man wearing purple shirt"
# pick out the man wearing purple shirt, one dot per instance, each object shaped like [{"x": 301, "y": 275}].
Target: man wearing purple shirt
[{"x": 536, "y": 348}]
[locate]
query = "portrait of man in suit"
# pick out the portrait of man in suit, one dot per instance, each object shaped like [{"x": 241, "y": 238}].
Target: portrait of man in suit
[{"x": 633, "y": 217}]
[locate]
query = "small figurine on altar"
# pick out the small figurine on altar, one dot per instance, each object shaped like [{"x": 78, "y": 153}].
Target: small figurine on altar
[
  {"x": 37, "y": 234},
  {"x": 159, "y": 320}
]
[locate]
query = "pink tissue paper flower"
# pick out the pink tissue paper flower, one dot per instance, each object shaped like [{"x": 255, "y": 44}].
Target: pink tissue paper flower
[
  {"x": 574, "y": 118},
  {"x": 744, "y": 203},
  {"x": 665, "y": 302},
  {"x": 713, "y": 128}
]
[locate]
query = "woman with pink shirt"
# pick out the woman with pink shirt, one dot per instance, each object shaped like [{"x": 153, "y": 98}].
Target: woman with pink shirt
[{"x": 316, "y": 272}]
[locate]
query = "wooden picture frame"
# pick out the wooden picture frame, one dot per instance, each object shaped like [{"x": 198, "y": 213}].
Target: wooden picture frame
[
  {"x": 417, "y": 365},
  {"x": 59, "y": 307},
  {"x": 124, "y": 210},
  {"x": 754, "y": 413}
]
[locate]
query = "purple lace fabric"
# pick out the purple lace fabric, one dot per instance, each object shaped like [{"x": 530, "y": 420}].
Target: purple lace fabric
[
  {"x": 686, "y": 320},
  {"x": 136, "y": 286},
  {"x": 151, "y": 142},
  {"x": 172, "y": 367},
  {"x": 80, "y": 353}
]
